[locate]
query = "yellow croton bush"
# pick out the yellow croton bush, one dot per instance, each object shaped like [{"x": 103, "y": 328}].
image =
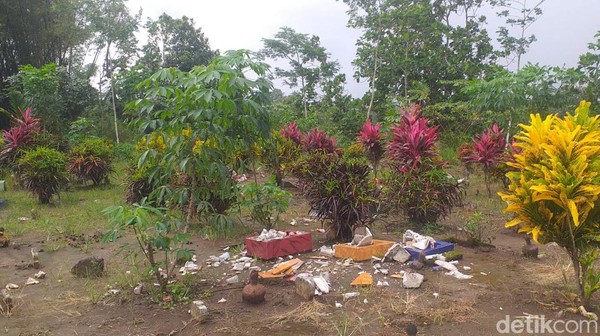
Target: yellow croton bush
[{"x": 555, "y": 179}]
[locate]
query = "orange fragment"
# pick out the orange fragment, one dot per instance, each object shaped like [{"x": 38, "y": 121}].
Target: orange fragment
[
  {"x": 284, "y": 266},
  {"x": 269, "y": 275},
  {"x": 363, "y": 279}
]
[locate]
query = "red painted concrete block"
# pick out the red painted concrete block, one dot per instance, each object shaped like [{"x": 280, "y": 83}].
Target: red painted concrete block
[{"x": 291, "y": 244}]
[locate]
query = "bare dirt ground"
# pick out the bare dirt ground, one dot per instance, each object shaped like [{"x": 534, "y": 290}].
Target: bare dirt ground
[{"x": 504, "y": 283}]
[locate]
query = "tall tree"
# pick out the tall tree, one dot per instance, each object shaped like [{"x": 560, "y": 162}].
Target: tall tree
[
  {"x": 114, "y": 41},
  {"x": 40, "y": 32},
  {"x": 520, "y": 16},
  {"x": 181, "y": 44},
  {"x": 309, "y": 65},
  {"x": 409, "y": 48}
]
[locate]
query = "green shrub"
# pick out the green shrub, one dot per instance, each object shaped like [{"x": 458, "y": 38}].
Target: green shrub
[
  {"x": 43, "y": 172},
  {"x": 266, "y": 202},
  {"x": 338, "y": 190},
  {"x": 91, "y": 160}
]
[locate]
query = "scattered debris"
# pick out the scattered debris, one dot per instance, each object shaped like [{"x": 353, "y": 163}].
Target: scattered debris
[
  {"x": 466, "y": 268},
  {"x": 222, "y": 300},
  {"x": 482, "y": 273},
  {"x": 35, "y": 258},
  {"x": 139, "y": 289},
  {"x": 199, "y": 311},
  {"x": 283, "y": 269},
  {"x": 397, "y": 276},
  {"x": 397, "y": 253},
  {"x": 189, "y": 267},
  {"x": 31, "y": 281},
  {"x": 412, "y": 280},
  {"x": 293, "y": 222},
  {"x": 327, "y": 251},
  {"x": 419, "y": 241},
  {"x": 12, "y": 286},
  {"x": 40, "y": 275},
  {"x": 24, "y": 219},
  {"x": 382, "y": 283},
  {"x": 452, "y": 270},
  {"x": 338, "y": 305},
  {"x": 436, "y": 295},
  {"x": 233, "y": 280},
  {"x": 305, "y": 287},
  {"x": 364, "y": 238},
  {"x": 347, "y": 296},
  {"x": 90, "y": 267},
  {"x": 363, "y": 279}
]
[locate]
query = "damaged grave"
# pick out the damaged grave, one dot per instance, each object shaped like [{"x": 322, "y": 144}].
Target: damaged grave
[{"x": 273, "y": 243}]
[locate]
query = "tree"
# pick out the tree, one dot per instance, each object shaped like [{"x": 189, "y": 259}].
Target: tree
[
  {"x": 518, "y": 15},
  {"x": 114, "y": 37},
  {"x": 589, "y": 66},
  {"x": 56, "y": 95},
  {"x": 309, "y": 66},
  {"x": 410, "y": 49},
  {"x": 180, "y": 44},
  {"x": 36, "y": 33},
  {"x": 195, "y": 123}
]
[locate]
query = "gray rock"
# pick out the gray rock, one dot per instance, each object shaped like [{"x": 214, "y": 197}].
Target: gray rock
[
  {"x": 397, "y": 253},
  {"x": 199, "y": 311},
  {"x": 305, "y": 288},
  {"x": 90, "y": 267},
  {"x": 233, "y": 280},
  {"x": 6, "y": 302},
  {"x": 412, "y": 280}
]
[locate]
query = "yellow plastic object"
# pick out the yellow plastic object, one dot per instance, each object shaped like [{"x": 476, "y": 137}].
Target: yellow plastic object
[{"x": 362, "y": 253}]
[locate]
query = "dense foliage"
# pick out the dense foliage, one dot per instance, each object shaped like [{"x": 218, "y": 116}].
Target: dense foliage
[
  {"x": 555, "y": 188},
  {"x": 43, "y": 172},
  {"x": 91, "y": 160},
  {"x": 197, "y": 123},
  {"x": 417, "y": 183}
]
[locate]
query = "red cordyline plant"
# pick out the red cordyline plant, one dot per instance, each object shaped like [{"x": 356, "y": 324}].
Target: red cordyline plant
[
  {"x": 370, "y": 138},
  {"x": 488, "y": 150},
  {"x": 292, "y": 133},
  {"x": 20, "y": 134},
  {"x": 412, "y": 140},
  {"x": 318, "y": 140},
  {"x": 422, "y": 189}
]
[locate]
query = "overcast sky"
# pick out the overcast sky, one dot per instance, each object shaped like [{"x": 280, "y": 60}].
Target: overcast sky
[{"x": 563, "y": 31}]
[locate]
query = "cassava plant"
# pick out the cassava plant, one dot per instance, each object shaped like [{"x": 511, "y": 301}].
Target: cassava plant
[
  {"x": 158, "y": 237},
  {"x": 199, "y": 121},
  {"x": 417, "y": 182},
  {"x": 487, "y": 150},
  {"x": 91, "y": 160},
  {"x": 370, "y": 138},
  {"x": 43, "y": 172},
  {"x": 265, "y": 201},
  {"x": 555, "y": 187}
]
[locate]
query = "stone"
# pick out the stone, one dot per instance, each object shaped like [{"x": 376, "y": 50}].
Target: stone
[
  {"x": 12, "y": 286},
  {"x": 350, "y": 295},
  {"x": 139, "y": 289},
  {"x": 305, "y": 287},
  {"x": 412, "y": 280},
  {"x": 40, "y": 275},
  {"x": 6, "y": 302},
  {"x": 199, "y": 311},
  {"x": 35, "y": 259},
  {"x": 31, "y": 281},
  {"x": 233, "y": 280},
  {"x": 90, "y": 267}
]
